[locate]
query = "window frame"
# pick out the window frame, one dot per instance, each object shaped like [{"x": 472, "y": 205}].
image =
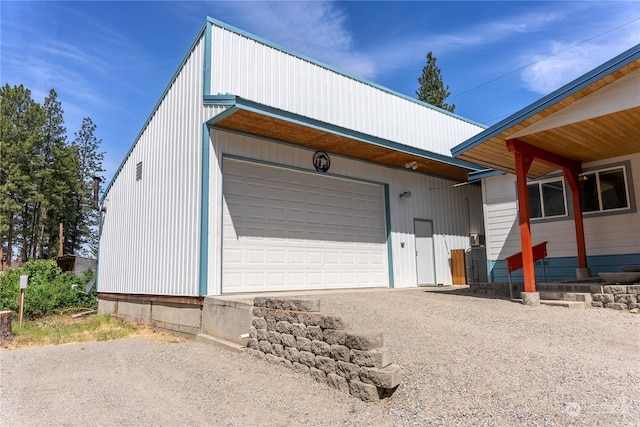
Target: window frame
[
  {"x": 597, "y": 173},
  {"x": 628, "y": 180},
  {"x": 539, "y": 183}
]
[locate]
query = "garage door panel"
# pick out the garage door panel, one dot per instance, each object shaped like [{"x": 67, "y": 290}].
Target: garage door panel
[{"x": 288, "y": 230}]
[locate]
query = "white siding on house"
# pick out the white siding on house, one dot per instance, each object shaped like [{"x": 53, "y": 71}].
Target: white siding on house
[
  {"x": 604, "y": 235},
  {"x": 455, "y": 211},
  {"x": 258, "y": 72}
]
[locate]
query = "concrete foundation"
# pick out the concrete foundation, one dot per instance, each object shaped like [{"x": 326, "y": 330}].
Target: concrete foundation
[
  {"x": 181, "y": 318},
  {"x": 583, "y": 273},
  {"x": 226, "y": 318},
  {"x": 531, "y": 298},
  {"x": 134, "y": 312}
]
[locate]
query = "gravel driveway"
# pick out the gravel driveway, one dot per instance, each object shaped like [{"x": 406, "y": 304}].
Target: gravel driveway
[{"x": 467, "y": 361}]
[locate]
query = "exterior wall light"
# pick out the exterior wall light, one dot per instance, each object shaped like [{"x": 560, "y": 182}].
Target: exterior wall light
[
  {"x": 411, "y": 165},
  {"x": 405, "y": 195}
]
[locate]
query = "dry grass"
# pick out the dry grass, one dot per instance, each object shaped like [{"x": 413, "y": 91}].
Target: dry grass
[{"x": 54, "y": 330}]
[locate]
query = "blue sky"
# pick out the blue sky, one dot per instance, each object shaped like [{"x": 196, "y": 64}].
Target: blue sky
[{"x": 111, "y": 61}]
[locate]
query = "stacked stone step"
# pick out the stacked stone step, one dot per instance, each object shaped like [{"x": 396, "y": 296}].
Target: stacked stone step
[
  {"x": 618, "y": 297},
  {"x": 294, "y": 333}
]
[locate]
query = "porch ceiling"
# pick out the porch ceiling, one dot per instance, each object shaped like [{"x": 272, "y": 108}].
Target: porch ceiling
[
  {"x": 263, "y": 125},
  {"x": 605, "y": 136}
]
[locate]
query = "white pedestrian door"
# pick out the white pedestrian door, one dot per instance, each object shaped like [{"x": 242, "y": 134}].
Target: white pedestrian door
[{"x": 425, "y": 260}]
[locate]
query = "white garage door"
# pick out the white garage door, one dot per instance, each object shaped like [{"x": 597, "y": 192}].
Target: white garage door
[{"x": 291, "y": 230}]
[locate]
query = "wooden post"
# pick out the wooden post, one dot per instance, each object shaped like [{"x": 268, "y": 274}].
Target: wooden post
[
  {"x": 21, "y": 309},
  {"x": 60, "y": 242},
  {"x": 523, "y": 162},
  {"x": 573, "y": 177},
  {"x": 5, "y": 325}
]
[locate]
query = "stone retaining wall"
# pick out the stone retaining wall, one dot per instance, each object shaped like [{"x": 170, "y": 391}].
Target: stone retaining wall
[
  {"x": 618, "y": 297},
  {"x": 294, "y": 333}
]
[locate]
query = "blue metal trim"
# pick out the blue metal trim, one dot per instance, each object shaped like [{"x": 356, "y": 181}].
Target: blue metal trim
[
  {"x": 219, "y": 99},
  {"x": 204, "y": 213},
  {"x": 206, "y": 69},
  {"x": 153, "y": 111},
  {"x": 387, "y": 210},
  {"x": 255, "y": 107},
  {"x": 323, "y": 65},
  {"x": 553, "y": 98},
  {"x": 486, "y": 173}
]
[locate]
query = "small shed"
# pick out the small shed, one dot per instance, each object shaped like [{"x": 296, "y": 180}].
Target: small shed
[{"x": 76, "y": 264}]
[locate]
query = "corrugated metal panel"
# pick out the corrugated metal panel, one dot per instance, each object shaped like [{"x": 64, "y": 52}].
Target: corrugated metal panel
[
  {"x": 151, "y": 232},
  {"x": 455, "y": 211},
  {"x": 250, "y": 69},
  {"x": 604, "y": 235}
]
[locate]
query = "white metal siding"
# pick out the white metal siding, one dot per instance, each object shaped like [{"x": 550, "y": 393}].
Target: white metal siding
[
  {"x": 292, "y": 230},
  {"x": 151, "y": 232},
  {"x": 250, "y": 69},
  {"x": 604, "y": 235},
  {"x": 455, "y": 211}
]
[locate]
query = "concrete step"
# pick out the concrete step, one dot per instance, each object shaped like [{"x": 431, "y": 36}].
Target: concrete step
[
  {"x": 566, "y": 296},
  {"x": 219, "y": 342},
  {"x": 577, "y": 305}
]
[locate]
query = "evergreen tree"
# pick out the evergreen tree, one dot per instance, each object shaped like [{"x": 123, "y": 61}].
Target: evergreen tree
[
  {"x": 59, "y": 183},
  {"x": 44, "y": 181},
  {"x": 83, "y": 227},
  {"x": 21, "y": 164},
  {"x": 432, "y": 90}
]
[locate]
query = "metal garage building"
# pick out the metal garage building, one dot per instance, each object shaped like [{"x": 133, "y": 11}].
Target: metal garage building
[{"x": 263, "y": 170}]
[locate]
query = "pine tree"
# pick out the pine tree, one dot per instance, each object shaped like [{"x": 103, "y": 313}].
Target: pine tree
[
  {"x": 58, "y": 185},
  {"x": 83, "y": 226},
  {"x": 21, "y": 163},
  {"x": 432, "y": 90}
]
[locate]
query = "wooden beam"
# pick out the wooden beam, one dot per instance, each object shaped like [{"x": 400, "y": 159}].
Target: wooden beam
[
  {"x": 523, "y": 162},
  {"x": 516, "y": 145}
]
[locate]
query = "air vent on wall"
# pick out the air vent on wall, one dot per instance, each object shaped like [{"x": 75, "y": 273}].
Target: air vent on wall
[{"x": 139, "y": 171}]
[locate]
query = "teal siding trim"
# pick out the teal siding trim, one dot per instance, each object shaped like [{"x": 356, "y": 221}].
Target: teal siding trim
[
  {"x": 387, "y": 211},
  {"x": 206, "y": 71},
  {"x": 485, "y": 173},
  {"x": 209, "y": 99},
  {"x": 553, "y": 98},
  {"x": 320, "y": 64},
  {"x": 204, "y": 212},
  {"x": 153, "y": 111},
  {"x": 255, "y": 107},
  {"x": 563, "y": 268}
]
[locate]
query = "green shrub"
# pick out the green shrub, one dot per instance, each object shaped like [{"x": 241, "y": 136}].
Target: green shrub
[{"x": 49, "y": 289}]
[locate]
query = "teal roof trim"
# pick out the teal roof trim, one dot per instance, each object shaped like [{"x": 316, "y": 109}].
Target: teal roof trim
[
  {"x": 247, "y": 105},
  {"x": 485, "y": 173},
  {"x": 553, "y": 98},
  {"x": 328, "y": 67}
]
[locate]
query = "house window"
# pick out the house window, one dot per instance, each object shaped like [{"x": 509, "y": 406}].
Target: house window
[
  {"x": 139, "y": 171},
  {"x": 547, "y": 199},
  {"x": 604, "y": 190}
]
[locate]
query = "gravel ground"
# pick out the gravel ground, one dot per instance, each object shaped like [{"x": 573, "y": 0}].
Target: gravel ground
[{"x": 467, "y": 361}]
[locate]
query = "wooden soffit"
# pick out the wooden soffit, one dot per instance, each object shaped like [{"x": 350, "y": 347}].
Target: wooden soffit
[
  {"x": 261, "y": 125},
  {"x": 616, "y": 133}
]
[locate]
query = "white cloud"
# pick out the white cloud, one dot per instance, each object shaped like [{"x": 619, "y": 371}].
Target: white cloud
[{"x": 558, "y": 62}]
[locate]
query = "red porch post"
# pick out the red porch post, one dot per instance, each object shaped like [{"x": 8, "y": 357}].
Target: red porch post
[
  {"x": 523, "y": 162},
  {"x": 573, "y": 175}
]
